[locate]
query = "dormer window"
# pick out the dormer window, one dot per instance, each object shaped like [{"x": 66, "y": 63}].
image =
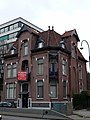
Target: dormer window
[
  {"x": 12, "y": 51},
  {"x": 62, "y": 44},
  {"x": 40, "y": 45}
]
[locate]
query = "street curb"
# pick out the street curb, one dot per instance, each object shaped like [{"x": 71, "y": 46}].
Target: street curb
[{"x": 32, "y": 116}]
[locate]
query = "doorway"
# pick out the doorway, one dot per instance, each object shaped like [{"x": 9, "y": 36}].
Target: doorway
[{"x": 25, "y": 95}]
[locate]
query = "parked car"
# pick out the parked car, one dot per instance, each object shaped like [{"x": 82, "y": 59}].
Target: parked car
[
  {"x": 5, "y": 104},
  {"x": 0, "y": 117}
]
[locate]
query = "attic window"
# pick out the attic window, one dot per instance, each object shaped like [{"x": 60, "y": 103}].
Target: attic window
[
  {"x": 12, "y": 51},
  {"x": 40, "y": 44},
  {"x": 63, "y": 46}
]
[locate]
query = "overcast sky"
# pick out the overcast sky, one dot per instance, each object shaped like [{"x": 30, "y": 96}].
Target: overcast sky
[{"x": 64, "y": 15}]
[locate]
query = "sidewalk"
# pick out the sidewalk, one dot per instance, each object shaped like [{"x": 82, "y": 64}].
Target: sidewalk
[
  {"x": 34, "y": 113},
  {"x": 82, "y": 113}
]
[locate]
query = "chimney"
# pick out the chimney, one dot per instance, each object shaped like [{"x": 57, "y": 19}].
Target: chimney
[
  {"x": 49, "y": 27},
  {"x": 52, "y": 27}
]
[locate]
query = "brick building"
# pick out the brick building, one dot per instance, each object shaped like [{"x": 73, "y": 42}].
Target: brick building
[{"x": 44, "y": 67}]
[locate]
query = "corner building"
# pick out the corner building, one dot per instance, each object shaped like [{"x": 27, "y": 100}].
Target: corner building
[{"x": 43, "y": 68}]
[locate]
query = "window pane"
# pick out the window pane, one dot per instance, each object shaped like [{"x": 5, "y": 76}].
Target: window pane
[
  {"x": 73, "y": 51},
  {"x": 40, "y": 66},
  {"x": 6, "y": 29},
  {"x": 40, "y": 89},
  {"x": 15, "y": 25},
  {"x": 53, "y": 89},
  {"x": 11, "y": 36},
  {"x": 25, "y": 48},
  {"x": 8, "y": 71},
  {"x": 2, "y": 30},
  {"x": 64, "y": 67},
  {"x": 11, "y": 90},
  {"x": 11, "y": 27},
  {"x": 64, "y": 89},
  {"x": 14, "y": 70},
  {"x": 80, "y": 72},
  {"x": 40, "y": 45}
]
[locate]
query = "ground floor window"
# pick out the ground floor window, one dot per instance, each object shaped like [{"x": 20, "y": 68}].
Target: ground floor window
[
  {"x": 53, "y": 88},
  {"x": 40, "y": 89},
  {"x": 11, "y": 90},
  {"x": 64, "y": 88}
]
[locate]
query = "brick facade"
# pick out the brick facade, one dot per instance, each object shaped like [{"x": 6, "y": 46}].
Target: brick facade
[{"x": 52, "y": 49}]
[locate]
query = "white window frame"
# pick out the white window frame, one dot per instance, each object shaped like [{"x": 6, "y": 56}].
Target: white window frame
[{"x": 10, "y": 91}]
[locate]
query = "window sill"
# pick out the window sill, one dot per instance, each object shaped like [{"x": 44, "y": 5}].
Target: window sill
[
  {"x": 39, "y": 98},
  {"x": 54, "y": 98},
  {"x": 40, "y": 74}
]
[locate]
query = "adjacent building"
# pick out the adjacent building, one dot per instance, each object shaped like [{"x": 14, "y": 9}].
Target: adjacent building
[
  {"x": 8, "y": 33},
  {"x": 43, "y": 68}
]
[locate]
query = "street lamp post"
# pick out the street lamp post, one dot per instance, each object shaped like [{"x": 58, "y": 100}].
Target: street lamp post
[{"x": 88, "y": 50}]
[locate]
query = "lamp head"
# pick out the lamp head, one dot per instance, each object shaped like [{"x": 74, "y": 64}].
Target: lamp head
[{"x": 81, "y": 48}]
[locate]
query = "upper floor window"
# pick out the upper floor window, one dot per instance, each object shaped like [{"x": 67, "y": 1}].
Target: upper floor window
[
  {"x": 40, "y": 44},
  {"x": 25, "y": 52},
  {"x": 73, "y": 51},
  {"x": 6, "y": 29},
  {"x": 11, "y": 70},
  {"x": 14, "y": 70},
  {"x": 80, "y": 87},
  {"x": 40, "y": 66},
  {"x": 11, "y": 27},
  {"x": 8, "y": 71},
  {"x": 64, "y": 70},
  {"x": 15, "y": 25},
  {"x": 25, "y": 66},
  {"x": 2, "y": 30},
  {"x": 40, "y": 89},
  {"x": 80, "y": 72},
  {"x": 62, "y": 44},
  {"x": 13, "y": 35},
  {"x": 12, "y": 51},
  {"x": 53, "y": 65}
]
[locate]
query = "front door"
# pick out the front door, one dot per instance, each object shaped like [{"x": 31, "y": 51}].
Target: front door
[
  {"x": 25, "y": 95},
  {"x": 25, "y": 100}
]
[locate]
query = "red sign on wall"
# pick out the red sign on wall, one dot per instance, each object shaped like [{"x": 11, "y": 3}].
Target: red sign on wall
[{"x": 22, "y": 76}]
